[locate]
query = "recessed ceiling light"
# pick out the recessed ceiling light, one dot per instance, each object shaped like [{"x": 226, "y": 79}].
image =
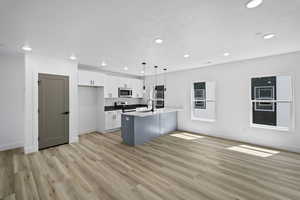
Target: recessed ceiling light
[
  {"x": 26, "y": 48},
  {"x": 158, "y": 41},
  {"x": 268, "y": 36},
  {"x": 254, "y": 3},
  {"x": 103, "y": 64},
  {"x": 186, "y": 55},
  {"x": 125, "y": 68},
  {"x": 73, "y": 57},
  {"x": 226, "y": 54}
]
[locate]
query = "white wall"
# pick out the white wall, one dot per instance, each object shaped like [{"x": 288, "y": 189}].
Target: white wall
[
  {"x": 87, "y": 109},
  {"x": 232, "y": 99},
  {"x": 12, "y": 73},
  {"x": 34, "y": 65},
  {"x": 91, "y": 109}
]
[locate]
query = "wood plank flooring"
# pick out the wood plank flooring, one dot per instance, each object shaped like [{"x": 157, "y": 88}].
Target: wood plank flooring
[{"x": 101, "y": 167}]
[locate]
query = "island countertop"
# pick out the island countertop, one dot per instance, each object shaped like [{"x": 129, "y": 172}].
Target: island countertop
[{"x": 150, "y": 113}]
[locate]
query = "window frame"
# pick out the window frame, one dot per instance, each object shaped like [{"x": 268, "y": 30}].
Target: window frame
[
  {"x": 204, "y": 99},
  {"x": 291, "y": 101}
]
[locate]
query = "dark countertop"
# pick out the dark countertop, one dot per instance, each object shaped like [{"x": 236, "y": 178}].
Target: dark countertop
[{"x": 126, "y": 107}]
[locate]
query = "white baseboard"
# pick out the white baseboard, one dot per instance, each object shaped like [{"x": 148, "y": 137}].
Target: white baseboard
[
  {"x": 31, "y": 149},
  {"x": 14, "y": 145},
  {"x": 213, "y": 134},
  {"x": 74, "y": 139},
  {"x": 111, "y": 130},
  {"x": 87, "y": 131}
]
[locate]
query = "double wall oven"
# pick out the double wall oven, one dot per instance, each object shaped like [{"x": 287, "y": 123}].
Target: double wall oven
[{"x": 160, "y": 96}]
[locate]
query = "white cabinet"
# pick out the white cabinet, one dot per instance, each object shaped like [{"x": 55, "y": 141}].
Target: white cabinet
[
  {"x": 113, "y": 83},
  {"x": 137, "y": 88},
  {"x": 108, "y": 119},
  {"x": 89, "y": 78},
  {"x": 113, "y": 119},
  {"x": 111, "y": 86},
  {"x": 118, "y": 119},
  {"x": 125, "y": 82}
]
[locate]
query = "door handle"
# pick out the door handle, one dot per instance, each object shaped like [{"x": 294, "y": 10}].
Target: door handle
[{"x": 65, "y": 113}]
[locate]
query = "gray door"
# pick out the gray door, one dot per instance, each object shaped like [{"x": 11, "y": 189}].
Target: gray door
[{"x": 53, "y": 110}]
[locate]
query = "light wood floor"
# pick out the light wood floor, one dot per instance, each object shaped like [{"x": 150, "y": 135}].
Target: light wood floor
[{"x": 100, "y": 167}]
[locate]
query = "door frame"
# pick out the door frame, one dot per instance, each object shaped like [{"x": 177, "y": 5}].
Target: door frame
[
  {"x": 31, "y": 108},
  {"x": 67, "y": 102}
]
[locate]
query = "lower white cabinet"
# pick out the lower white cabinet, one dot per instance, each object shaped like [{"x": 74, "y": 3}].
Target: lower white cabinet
[{"x": 113, "y": 119}]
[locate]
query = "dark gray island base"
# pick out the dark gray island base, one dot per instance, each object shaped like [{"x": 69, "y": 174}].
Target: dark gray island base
[{"x": 141, "y": 127}]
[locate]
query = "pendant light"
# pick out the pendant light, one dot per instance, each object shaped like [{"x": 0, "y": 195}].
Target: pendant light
[
  {"x": 165, "y": 79},
  {"x": 153, "y": 101},
  {"x": 155, "y": 83},
  {"x": 144, "y": 77}
]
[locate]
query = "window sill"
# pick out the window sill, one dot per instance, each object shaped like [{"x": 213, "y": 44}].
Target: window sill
[
  {"x": 203, "y": 120},
  {"x": 275, "y": 128}
]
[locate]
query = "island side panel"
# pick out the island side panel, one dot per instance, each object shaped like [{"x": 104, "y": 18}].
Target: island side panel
[
  {"x": 168, "y": 122},
  {"x": 127, "y": 129},
  {"x": 146, "y": 128}
]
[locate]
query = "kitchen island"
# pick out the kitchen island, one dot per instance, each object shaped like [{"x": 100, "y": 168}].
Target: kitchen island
[{"x": 140, "y": 127}]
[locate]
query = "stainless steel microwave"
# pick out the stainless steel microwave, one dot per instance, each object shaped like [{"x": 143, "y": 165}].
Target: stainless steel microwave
[{"x": 125, "y": 93}]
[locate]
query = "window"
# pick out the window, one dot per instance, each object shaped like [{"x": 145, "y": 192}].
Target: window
[
  {"x": 264, "y": 93},
  {"x": 160, "y": 96},
  {"x": 271, "y": 101},
  {"x": 203, "y": 101}
]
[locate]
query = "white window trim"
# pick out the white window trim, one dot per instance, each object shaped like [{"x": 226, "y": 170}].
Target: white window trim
[
  {"x": 193, "y": 100},
  {"x": 291, "y": 101},
  {"x": 276, "y": 128}
]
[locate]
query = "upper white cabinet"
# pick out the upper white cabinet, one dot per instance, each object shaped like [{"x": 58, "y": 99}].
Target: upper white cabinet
[
  {"x": 111, "y": 86},
  {"x": 137, "y": 87},
  {"x": 89, "y": 78},
  {"x": 113, "y": 83}
]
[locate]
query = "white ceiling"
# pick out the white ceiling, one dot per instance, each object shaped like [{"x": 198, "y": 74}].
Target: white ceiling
[{"x": 123, "y": 32}]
